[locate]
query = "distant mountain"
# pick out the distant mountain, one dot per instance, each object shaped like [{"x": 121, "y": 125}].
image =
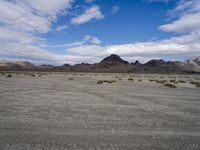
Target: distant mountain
[
  {"x": 197, "y": 60},
  {"x": 112, "y": 64},
  {"x": 113, "y": 60},
  {"x": 136, "y": 63},
  {"x": 44, "y": 66},
  {"x": 16, "y": 66},
  {"x": 191, "y": 62},
  {"x": 155, "y": 63}
]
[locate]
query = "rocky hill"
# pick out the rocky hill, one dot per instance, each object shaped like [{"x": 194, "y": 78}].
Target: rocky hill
[
  {"x": 197, "y": 60},
  {"x": 17, "y": 65},
  {"x": 112, "y": 63}
]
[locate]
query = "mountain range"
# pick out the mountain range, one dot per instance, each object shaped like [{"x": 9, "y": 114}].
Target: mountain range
[{"x": 112, "y": 63}]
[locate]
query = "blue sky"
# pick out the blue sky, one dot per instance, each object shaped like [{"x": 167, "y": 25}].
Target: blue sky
[{"x": 75, "y": 31}]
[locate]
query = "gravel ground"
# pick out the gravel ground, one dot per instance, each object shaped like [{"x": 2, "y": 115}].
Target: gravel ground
[{"x": 71, "y": 111}]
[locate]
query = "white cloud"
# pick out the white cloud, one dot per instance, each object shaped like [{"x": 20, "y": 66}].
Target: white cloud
[
  {"x": 91, "y": 39},
  {"x": 22, "y": 18},
  {"x": 188, "y": 17},
  {"x": 182, "y": 46},
  {"x": 92, "y": 13},
  {"x": 88, "y": 39},
  {"x": 46, "y": 7},
  {"x": 21, "y": 21},
  {"x": 186, "y": 23},
  {"x": 61, "y": 28}
]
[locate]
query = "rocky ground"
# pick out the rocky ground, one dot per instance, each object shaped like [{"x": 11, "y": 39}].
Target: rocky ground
[{"x": 75, "y": 111}]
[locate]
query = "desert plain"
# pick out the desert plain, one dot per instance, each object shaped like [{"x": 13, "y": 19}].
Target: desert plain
[{"x": 99, "y": 111}]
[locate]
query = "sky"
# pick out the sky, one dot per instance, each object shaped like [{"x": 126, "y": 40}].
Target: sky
[{"x": 76, "y": 31}]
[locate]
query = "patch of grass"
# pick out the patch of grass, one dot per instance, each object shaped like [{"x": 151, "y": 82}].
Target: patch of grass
[
  {"x": 170, "y": 85},
  {"x": 161, "y": 81},
  {"x": 109, "y": 81},
  {"x": 173, "y": 81},
  {"x": 182, "y": 81},
  {"x": 100, "y": 82},
  {"x": 33, "y": 75},
  {"x": 130, "y": 79},
  {"x": 70, "y": 79},
  {"x": 197, "y": 84},
  {"x": 106, "y": 81},
  {"x": 9, "y": 75},
  {"x": 152, "y": 80},
  {"x": 39, "y": 75}
]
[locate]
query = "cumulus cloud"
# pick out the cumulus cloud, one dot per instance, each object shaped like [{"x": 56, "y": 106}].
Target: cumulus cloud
[
  {"x": 188, "y": 17},
  {"x": 186, "y": 45},
  {"x": 186, "y": 23},
  {"x": 21, "y": 21},
  {"x": 92, "y": 13},
  {"x": 91, "y": 39},
  {"x": 88, "y": 39},
  {"x": 61, "y": 28}
]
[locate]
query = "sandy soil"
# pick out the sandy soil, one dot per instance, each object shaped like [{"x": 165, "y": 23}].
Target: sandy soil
[{"x": 71, "y": 111}]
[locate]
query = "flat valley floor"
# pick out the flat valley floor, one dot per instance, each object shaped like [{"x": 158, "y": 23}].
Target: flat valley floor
[{"x": 81, "y": 111}]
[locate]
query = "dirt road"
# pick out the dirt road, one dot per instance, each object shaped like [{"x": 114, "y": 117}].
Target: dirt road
[{"x": 67, "y": 111}]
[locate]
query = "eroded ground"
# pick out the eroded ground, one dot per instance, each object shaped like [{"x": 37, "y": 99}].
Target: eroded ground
[{"x": 62, "y": 111}]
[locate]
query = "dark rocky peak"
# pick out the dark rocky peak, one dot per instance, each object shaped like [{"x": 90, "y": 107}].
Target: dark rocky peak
[
  {"x": 136, "y": 63},
  {"x": 44, "y": 66},
  {"x": 155, "y": 63},
  {"x": 113, "y": 59},
  {"x": 197, "y": 60},
  {"x": 191, "y": 62},
  {"x": 66, "y": 66}
]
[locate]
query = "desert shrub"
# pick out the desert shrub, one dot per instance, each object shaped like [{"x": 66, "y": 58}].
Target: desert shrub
[
  {"x": 100, "y": 82},
  {"x": 182, "y": 81},
  {"x": 119, "y": 79},
  {"x": 152, "y": 80},
  {"x": 9, "y": 75},
  {"x": 197, "y": 84},
  {"x": 173, "y": 81},
  {"x": 130, "y": 79},
  {"x": 139, "y": 80},
  {"x": 170, "y": 85},
  {"x": 71, "y": 79},
  {"x": 33, "y": 75},
  {"x": 161, "y": 81},
  {"x": 105, "y": 81},
  {"x": 109, "y": 81}
]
